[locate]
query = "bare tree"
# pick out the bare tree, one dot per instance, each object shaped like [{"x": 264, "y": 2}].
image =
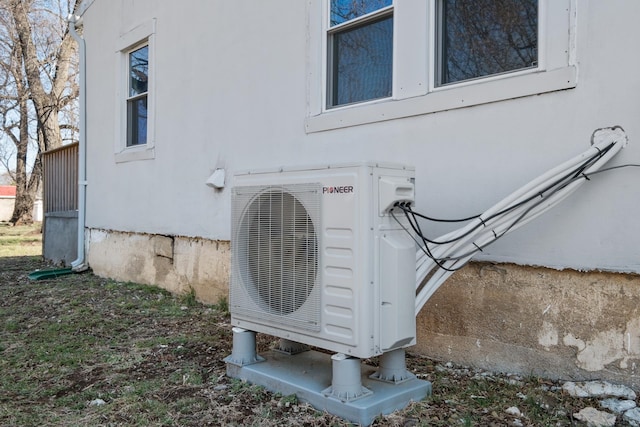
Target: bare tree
[
  {"x": 485, "y": 37},
  {"x": 37, "y": 59},
  {"x": 14, "y": 107}
]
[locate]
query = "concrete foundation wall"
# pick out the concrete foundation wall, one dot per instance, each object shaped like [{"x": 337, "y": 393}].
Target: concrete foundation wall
[
  {"x": 177, "y": 264},
  {"x": 557, "y": 324},
  {"x": 504, "y": 317},
  {"x": 60, "y": 240}
]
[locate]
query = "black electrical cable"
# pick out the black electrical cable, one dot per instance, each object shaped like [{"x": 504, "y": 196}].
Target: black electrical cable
[
  {"x": 524, "y": 214},
  {"x": 446, "y": 220},
  {"x": 628, "y": 165},
  {"x": 424, "y": 247},
  {"x": 416, "y": 228},
  {"x": 513, "y": 224},
  {"x": 573, "y": 175},
  {"x": 440, "y": 261},
  {"x": 576, "y": 172}
]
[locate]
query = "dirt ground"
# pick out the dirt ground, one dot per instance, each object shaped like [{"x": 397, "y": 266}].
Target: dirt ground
[{"x": 87, "y": 351}]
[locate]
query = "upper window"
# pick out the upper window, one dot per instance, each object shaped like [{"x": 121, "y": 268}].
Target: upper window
[
  {"x": 360, "y": 50},
  {"x": 479, "y": 38},
  {"x": 374, "y": 60},
  {"x": 135, "y": 134},
  {"x": 138, "y": 96}
]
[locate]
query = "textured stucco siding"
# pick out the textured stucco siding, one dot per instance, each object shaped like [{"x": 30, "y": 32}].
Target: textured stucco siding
[{"x": 6, "y": 207}]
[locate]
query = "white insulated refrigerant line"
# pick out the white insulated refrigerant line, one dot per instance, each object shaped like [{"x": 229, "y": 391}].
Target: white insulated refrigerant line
[{"x": 437, "y": 259}]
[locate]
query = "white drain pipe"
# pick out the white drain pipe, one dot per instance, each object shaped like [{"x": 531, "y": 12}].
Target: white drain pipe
[{"x": 79, "y": 263}]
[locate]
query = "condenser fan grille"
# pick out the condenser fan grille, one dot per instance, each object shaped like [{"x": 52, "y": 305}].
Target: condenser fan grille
[{"x": 275, "y": 254}]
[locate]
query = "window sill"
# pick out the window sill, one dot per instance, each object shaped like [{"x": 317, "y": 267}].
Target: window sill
[
  {"x": 446, "y": 98},
  {"x": 135, "y": 153}
]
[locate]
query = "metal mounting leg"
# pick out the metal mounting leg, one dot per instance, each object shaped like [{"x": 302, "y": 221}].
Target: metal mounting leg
[
  {"x": 393, "y": 368},
  {"x": 244, "y": 348},
  {"x": 346, "y": 379}
]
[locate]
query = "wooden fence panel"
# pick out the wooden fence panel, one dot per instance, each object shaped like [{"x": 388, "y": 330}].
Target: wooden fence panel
[{"x": 61, "y": 179}]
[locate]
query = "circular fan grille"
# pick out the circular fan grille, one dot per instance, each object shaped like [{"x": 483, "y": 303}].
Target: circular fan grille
[{"x": 280, "y": 252}]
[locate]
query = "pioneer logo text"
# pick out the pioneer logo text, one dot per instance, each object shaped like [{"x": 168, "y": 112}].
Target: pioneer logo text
[{"x": 338, "y": 189}]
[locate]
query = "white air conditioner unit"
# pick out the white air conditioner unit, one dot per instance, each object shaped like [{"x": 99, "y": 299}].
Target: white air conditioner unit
[{"x": 318, "y": 259}]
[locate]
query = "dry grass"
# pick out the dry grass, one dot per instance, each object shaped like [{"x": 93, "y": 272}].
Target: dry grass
[
  {"x": 80, "y": 350},
  {"x": 22, "y": 240}
]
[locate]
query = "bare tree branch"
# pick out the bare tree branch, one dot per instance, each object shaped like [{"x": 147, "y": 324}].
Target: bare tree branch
[{"x": 38, "y": 90}]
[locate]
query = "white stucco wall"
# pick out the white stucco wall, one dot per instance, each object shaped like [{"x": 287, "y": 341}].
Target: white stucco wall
[
  {"x": 232, "y": 91},
  {"x": 7, "y": 204},
  {"x": 6, "y": 207}
]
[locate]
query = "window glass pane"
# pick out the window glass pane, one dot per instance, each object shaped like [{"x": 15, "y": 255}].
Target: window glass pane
[
  {"x": 361, "y": 64},
  {"x": 483, "y": 37},
  {"x": 346, "y": 10},
  {"x": 137, "y": 121},
  {"x": 138, "y": 71}
]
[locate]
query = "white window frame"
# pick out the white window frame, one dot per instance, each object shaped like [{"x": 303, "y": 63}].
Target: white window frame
[
  {"x": 359, "y": 22},
  {"x": 142, "y": 35},
  {"x": 414, "y": 86}
]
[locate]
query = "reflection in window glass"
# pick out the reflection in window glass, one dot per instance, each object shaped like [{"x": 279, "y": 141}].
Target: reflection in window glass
[
  {"x": 137, "y": 121},
  {"x": 138, "y": 94},
  {"x": 361, "y": 63},
  {"x": 346, "y": 10},
  {"x": 138, "y": 71},
  {"x": 483, "y": 37}
]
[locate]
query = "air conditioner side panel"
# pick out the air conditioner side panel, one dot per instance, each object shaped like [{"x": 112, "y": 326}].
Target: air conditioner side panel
[
  {"x": 347, "y": 300},
  {"x": 397, "y": 290},
  {"x": 395, "y": 260}
]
